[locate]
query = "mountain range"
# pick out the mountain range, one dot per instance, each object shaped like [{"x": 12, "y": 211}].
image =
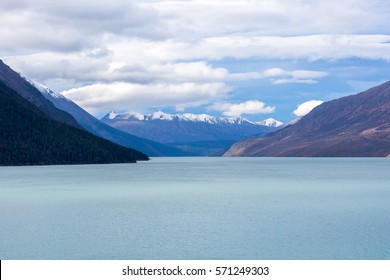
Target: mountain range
[
  {"x": 93, "y": 125},
  {"x": 40, "y": 126},
  {"x": 352, "y": 126},
  {"x": 34, "y": 132},
  {"x": 197, "y": 134},
  {"x": 161, "y": 134}
]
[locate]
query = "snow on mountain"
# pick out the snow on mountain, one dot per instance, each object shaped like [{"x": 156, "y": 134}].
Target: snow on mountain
[
  {"x": 271, "y": 122},
  {"x": 112, "y": 115},
  {"x": 199, "y": 118},
  {"x": 45, "y": 90},
  {"x": 161, "y": 116},
  {"x": 188, "y": 117},
  {"x": 185, "y": 128}
]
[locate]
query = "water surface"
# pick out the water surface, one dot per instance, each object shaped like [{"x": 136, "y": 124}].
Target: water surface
[{"x": 198, "y": 208}]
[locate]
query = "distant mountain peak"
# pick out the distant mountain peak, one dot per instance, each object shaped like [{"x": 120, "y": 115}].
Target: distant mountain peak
[
  {"x": 112, "y": 115},
  {"x": 199, "y": 118},
  {"x": 188, "y": 117},
  {"x": 186, "y": 127},
  {"x": 161, "y": 116},
  {"x": 271, "y": 122}
]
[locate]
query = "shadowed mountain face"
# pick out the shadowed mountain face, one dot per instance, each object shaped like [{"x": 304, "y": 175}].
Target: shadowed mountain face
[{"x": 352, "y": 126}]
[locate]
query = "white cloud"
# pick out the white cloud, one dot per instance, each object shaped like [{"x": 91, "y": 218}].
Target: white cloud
[
  {"x": 72, "y": 25},
  {"x": 307, "y": 47},
  {"x": 102, "y": 83},
  {"x": 100, "y": 98},
  {"x": 103, "y": 66},
  {"x": 297, "y": 76},
  {"x": 280, "y": 76},
  {"x": 207, "y": 29},
  {"x": 294, "y": 81},
  {"x": 184, "y": 72},
  {"x": 312, "y": 47},
  {"x": 306, "y": 107},
  {"x": 112, "y": 45},
  {"x": 272, "y": 17},
  {"x": 249, "y": 107},
  {"x": 274, "y": 72}
]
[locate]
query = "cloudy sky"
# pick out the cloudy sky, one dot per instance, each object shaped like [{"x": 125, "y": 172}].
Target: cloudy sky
[{"x": 250, "y": 58}]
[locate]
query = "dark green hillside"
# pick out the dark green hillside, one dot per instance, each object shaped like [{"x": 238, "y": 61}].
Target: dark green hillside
[{"x": 30, "y": 137}]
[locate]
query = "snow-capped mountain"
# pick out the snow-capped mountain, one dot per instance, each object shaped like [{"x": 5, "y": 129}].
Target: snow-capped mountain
[
  {"x": 45, "y": 90},
  {"x": 174, "y": 128},
  {"x": 271, "y": 122},
  {"x": 182, "y": 134},
  {"x": 188, "y": 117},
  {"x": 93, "y": 125}
]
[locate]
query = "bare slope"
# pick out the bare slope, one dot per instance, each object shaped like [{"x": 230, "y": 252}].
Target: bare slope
[{"x": 352, "y": 126}]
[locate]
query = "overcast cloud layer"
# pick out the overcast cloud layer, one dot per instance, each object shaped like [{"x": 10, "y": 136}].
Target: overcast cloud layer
[{"x": 236, "y": 58}]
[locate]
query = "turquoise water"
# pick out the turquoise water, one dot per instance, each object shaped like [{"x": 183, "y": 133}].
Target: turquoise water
[{"x": 198, "y": 208}]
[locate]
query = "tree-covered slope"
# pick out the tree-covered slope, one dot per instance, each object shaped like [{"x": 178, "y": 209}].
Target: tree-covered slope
[{"x": 30, "y": 137}]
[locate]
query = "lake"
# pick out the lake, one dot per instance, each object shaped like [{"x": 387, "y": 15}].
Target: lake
[{"x": 198, "y": 208}]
